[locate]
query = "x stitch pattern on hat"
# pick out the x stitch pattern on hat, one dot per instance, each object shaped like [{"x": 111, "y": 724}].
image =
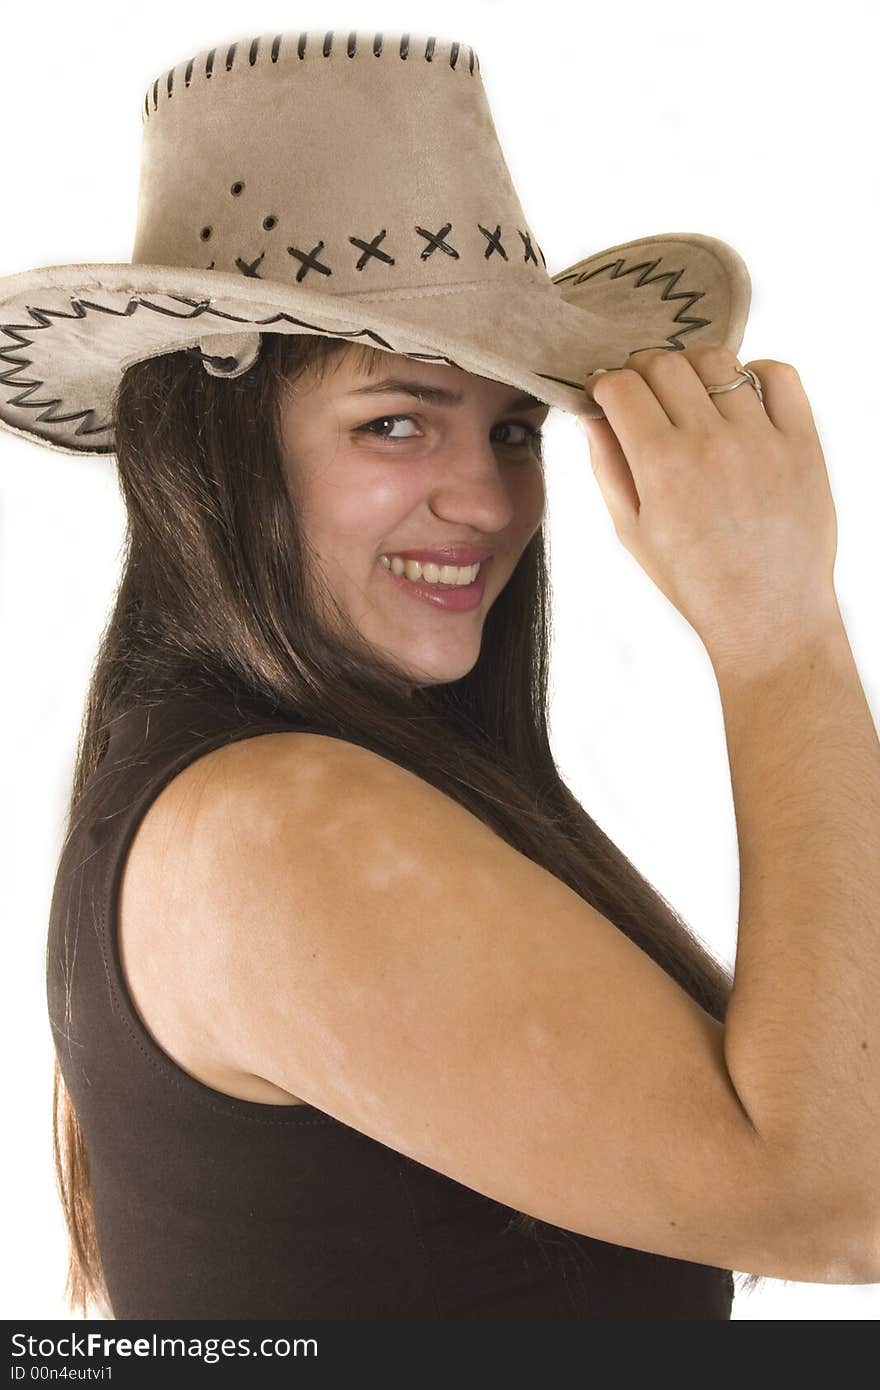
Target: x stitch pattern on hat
[
  {"x": 371, "y": 248},
  {"x": 308, "y": 258},
  {"x": 360, "y": 144},
  {"x": 431, "y": 241},
  {"x": 427, "y": 281}
]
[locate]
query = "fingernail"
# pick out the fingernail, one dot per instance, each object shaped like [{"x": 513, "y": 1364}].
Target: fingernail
[{"x": 589, "y": 383}]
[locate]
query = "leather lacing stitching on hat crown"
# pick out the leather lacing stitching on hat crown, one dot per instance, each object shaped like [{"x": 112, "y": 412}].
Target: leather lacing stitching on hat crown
[
  {"x": 42, "y": 318},
  {"x": 403, "y": 51},
  {"x": 434, "y": 241},
  {"x": 309, "y": 261}
]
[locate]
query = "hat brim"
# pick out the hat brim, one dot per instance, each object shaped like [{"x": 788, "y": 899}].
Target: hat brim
[{"x": 67, "y": 333}]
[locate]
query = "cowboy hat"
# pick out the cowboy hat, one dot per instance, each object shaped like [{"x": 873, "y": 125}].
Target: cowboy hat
[{"x": 354, "y": 187}]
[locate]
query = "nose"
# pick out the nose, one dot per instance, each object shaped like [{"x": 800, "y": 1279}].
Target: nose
[{"x": 473, "y": 486}]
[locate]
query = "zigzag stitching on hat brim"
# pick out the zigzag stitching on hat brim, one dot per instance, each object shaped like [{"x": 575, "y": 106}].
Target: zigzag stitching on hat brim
[
  {"x": 673, "y": 276},
  {"x": 43, "y": 319},
  {"x": 86, "y": 427}
]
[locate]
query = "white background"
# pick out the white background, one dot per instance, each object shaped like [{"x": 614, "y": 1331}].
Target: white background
[{"x": 753, "y": 122}]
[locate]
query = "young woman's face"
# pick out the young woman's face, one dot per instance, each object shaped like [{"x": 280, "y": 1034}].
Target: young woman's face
[{"x": 448, "y": 474}]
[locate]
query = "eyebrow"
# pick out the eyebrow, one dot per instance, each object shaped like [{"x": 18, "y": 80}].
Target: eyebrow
[{"x": 434, "y": 395}]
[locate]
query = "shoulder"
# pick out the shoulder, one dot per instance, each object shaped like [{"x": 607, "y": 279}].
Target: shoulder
[
  {"x": 260, "y": 763},
  {"x": 292, "y": 769},
  {"x": 240, "y": 824},
  {"x": 202, "y": 882}
]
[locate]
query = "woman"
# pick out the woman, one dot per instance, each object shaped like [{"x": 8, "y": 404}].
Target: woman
[{"x": 358, "y": 1013}]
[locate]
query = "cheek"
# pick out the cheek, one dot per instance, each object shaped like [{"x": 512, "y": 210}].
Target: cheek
[{"x": 360, "y": 507}]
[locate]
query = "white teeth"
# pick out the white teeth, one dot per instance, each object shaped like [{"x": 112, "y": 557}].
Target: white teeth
[{"x": 430, "y": 573}]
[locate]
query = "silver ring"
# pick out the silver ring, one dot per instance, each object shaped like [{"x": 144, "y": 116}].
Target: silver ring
[{"x": 744, "y": 375}]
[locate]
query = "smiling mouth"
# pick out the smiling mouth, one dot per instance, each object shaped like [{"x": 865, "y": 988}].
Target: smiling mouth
[
  {"x": 466, "y": 575},
  {"x": 454, "y": 597}
]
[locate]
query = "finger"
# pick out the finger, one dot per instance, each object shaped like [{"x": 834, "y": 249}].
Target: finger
[
  {"x": 631, "y": 409},
  {"x": 676, "y": 383},
  {"x": 612, "y": 473},
  {"x": 679, "y": 380},
  {"x": 785, "y": 400},
  {"x": 718, "y": 366}
]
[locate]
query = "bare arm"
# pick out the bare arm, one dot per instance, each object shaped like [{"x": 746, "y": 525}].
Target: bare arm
[
  {"x": 802, "y": 1034},
  {"x": 725, "y": 502}
]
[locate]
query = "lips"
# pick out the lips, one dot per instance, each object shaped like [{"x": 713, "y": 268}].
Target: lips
[
  {"x": 446, "y": 555},
  {"x": 457, "y": 598}
]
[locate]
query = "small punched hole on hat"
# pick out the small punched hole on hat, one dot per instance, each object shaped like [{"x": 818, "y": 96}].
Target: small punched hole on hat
[
  {"x": 205, "y": 233},
  {"x": 269, "y": 222},
  {"x": 236, "y": 188}
]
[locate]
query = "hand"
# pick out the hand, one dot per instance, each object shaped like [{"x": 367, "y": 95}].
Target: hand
[{"x": 724, "y": 503}]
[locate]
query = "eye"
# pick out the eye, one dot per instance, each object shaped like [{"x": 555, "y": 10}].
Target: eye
[
  {"x": 370, "y": 427},
  {"x": 532, "y": 435}
]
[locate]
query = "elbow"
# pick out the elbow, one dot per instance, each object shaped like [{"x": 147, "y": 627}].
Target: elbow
[
  {"x": 831, "y": 1226},
  {"x": 868, "y": 1267},
  {"x": 829, "y": 1237},
  {"x": 855, "y": 1248}
]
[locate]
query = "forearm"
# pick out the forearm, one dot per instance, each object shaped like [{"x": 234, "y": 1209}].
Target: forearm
[{"x": 802, "y": 1033}]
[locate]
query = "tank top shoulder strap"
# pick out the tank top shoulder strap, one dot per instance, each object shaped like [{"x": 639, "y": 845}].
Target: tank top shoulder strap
[{"x": 190, "y": 722}]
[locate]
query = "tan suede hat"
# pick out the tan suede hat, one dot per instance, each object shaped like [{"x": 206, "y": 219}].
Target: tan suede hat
[{"x": 352, "y": 186}]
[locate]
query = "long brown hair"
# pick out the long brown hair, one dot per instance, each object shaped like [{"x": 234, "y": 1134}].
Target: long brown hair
[{"x": 219, "y": 592}]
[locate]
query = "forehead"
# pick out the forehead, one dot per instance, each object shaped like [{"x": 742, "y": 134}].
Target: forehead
[{"x": 359, "y": 371}]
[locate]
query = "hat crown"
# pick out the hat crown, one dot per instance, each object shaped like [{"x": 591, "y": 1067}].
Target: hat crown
[{"x": 361, "y": 164}]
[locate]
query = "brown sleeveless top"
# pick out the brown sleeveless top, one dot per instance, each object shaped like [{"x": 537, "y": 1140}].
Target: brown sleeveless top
[{"x": 211, "y": 1206}]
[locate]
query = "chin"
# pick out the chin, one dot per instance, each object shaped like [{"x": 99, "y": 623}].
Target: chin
[{"x": 443, "y": 676}]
